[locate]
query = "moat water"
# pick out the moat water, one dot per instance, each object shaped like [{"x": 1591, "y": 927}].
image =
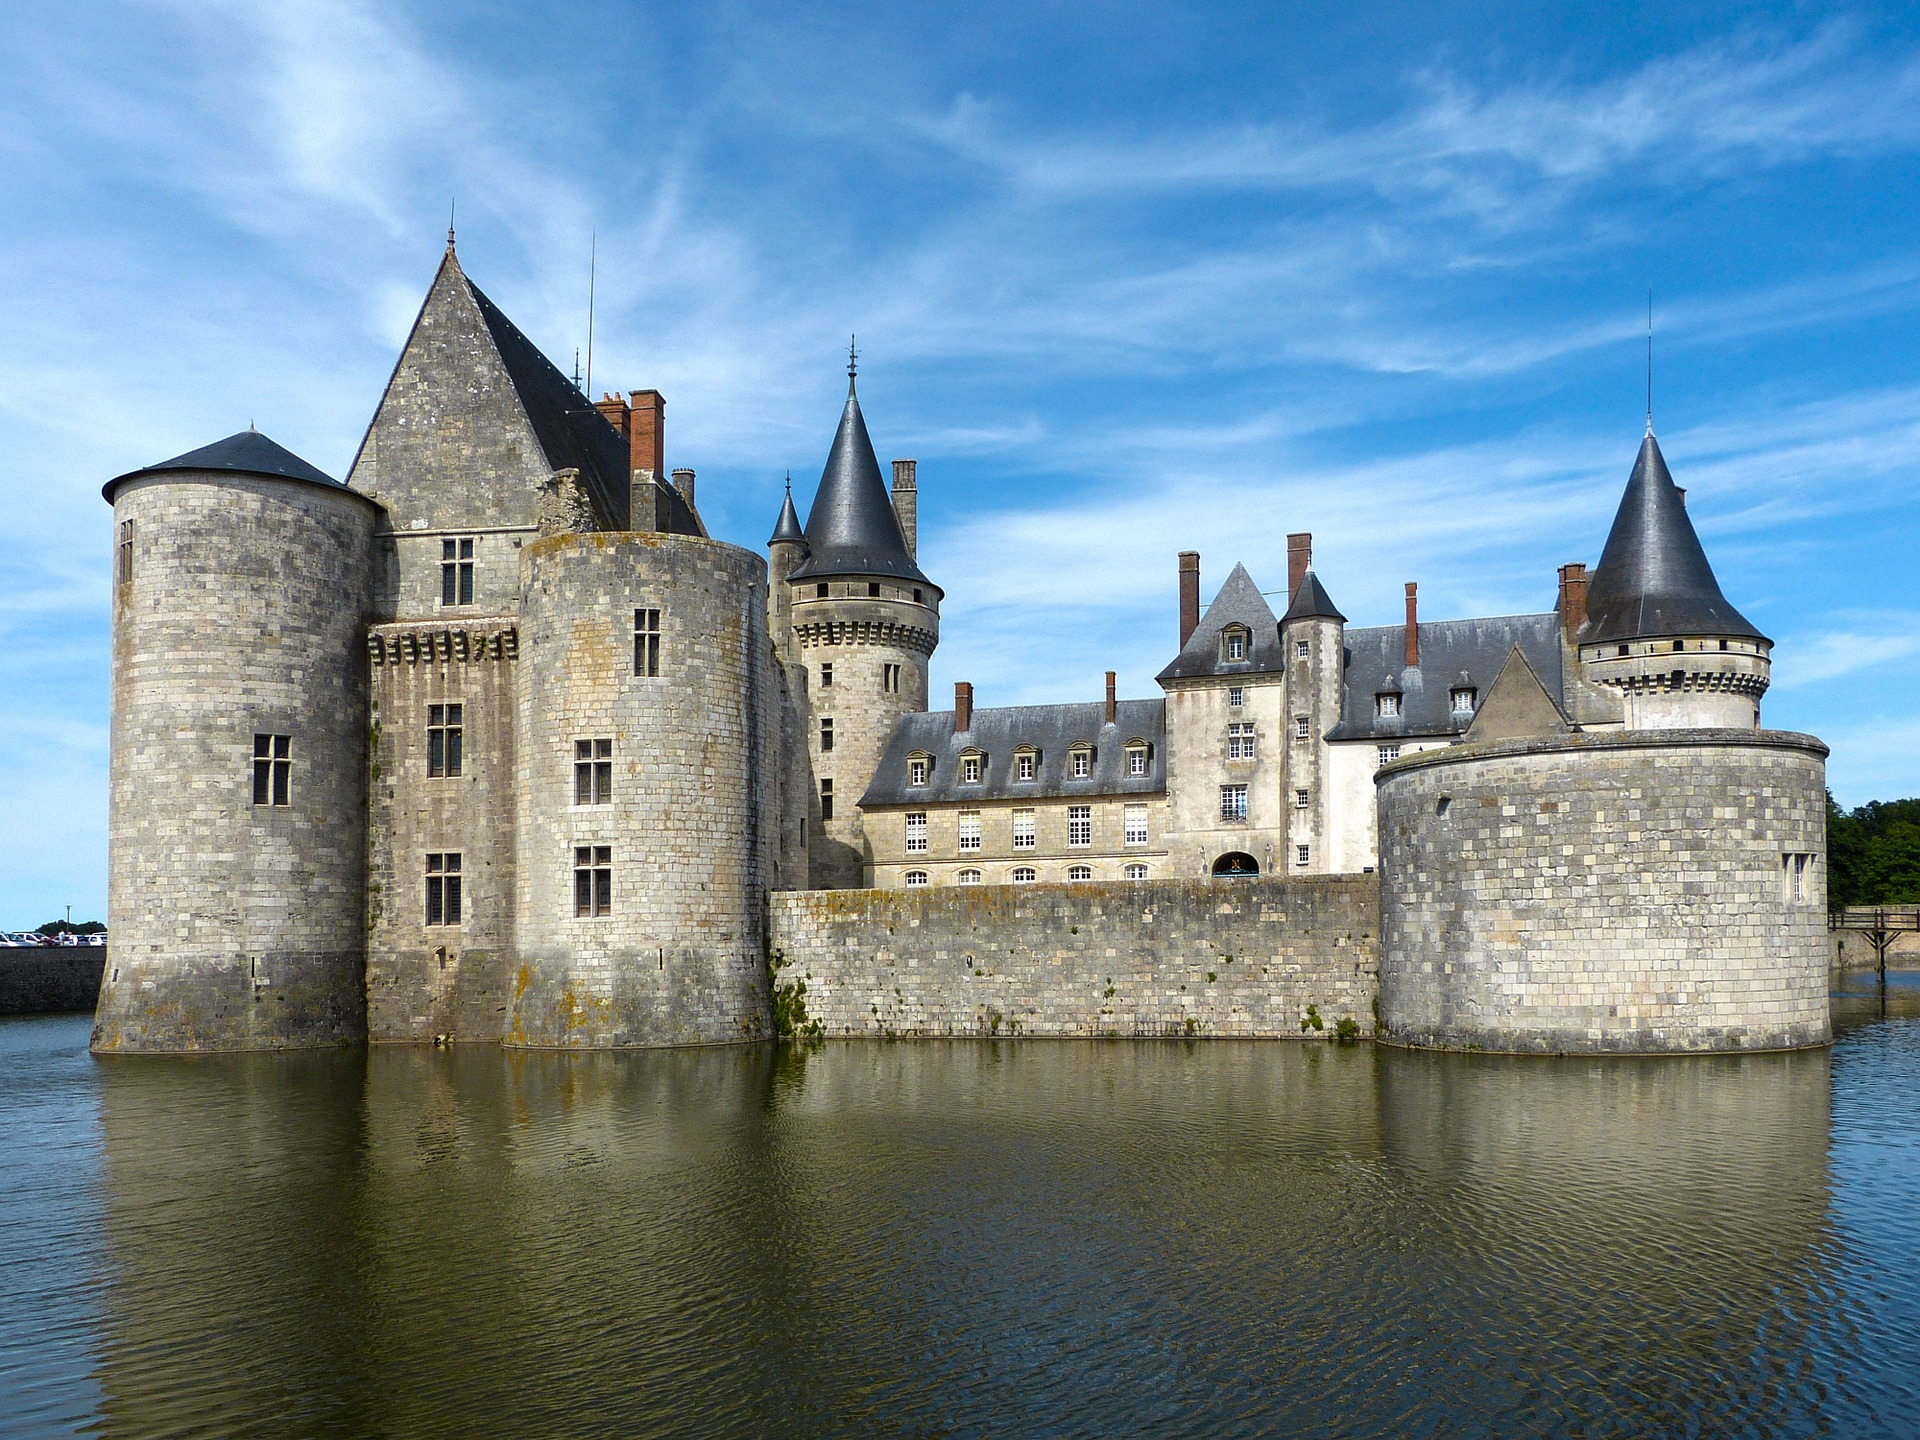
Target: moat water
[{"x": 1031, "y": 1238}]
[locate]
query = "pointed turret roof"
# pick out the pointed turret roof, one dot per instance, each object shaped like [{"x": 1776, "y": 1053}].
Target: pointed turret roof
[
  {"x": 852, "y": 529},
  {"x": 1239, "y": 602},
  {"x": 246, "y": 453},
  {"x": 1653, "y": 578},
  {"x": 788, "y": 527},
  {"x": 1310, "y": 602}
]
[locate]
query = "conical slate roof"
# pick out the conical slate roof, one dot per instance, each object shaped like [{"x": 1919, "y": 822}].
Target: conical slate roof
[
  {"x": 852, "y": 529},
  {"x": 1310, "y": 602},
  {"x": 1238, "y": 602},
  {"x": 788, "y": 527},
  {"x": 246, "y": 453},
  {"x": 1653, "y": 578}
]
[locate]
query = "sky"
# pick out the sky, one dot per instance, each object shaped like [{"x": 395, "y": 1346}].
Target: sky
[{"x": 1126, "y": 281}]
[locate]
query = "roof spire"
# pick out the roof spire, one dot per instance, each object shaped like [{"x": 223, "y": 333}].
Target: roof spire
[
  {"x": 450, "y": 205},
  {"x": 853, "y": 363},
  {"x": 1649, "y": 360}
]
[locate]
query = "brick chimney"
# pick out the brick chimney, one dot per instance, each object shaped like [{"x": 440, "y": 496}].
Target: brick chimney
[
  {"x": 616, "y": 412},
  {"x": 1299, "y": 561},
  {"x": 683, "y": 482},
  {"x": 1189, "y": 595},
  {"x": 647, "y": 433},
  {"x": 962, "y": 707},
  {"x": 1113, "y": 697},
  {"x": 906, "y": 503},
  {"x": 1573, "y": 600},
  {"x": 1413, "y": 624}
]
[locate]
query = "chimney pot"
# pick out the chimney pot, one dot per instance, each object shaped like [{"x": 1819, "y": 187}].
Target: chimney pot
[
  {"x": 1413, "y": 625},
  {"x": 962, "y": 707},
  {"x": 683, "y": 482},
  {"x": 1113, "y": 700},
  {"x": 1299, "y": 561},
  {"x": 1189, "y": 595}
]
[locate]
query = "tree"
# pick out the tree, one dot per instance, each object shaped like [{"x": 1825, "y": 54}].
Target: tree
[{"x": 1873, "y": 853}]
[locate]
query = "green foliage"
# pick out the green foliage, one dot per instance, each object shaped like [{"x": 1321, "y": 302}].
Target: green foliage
[
  {"x": 1348, "y": 1030},
  {"x": 1313, "y": 1020},
  {"x": 61, "y": 927},
  {"x": 790, "y": 1020},
  {"x": 1873, "y": 853}
]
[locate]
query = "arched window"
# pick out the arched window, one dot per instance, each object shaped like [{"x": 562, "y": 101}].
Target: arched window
[
  {"x": 1136, "y": 872},
  {"x": 916, "y": 878},
  {"x": 1079, "y": 872},
  {"x": 1023, "y": 875},
  {"x": 968, "y": 877},
  {"x": 1235, "y": 865}
]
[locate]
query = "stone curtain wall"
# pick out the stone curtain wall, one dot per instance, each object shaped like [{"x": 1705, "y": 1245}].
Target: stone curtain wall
[
  {"x": 1613, "y": 892},
  {"x": 53, "y": 980},
  {"x": 1156, "y": 957}
]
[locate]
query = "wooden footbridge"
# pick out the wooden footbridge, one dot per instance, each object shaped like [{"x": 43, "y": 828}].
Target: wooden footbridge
[{"x": 1880, "y": 926}]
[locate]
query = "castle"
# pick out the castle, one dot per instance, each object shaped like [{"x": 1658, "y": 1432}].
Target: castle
[{"x": 494, "y": 741}]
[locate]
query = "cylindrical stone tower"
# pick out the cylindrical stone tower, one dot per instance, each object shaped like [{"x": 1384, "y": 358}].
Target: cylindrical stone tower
[
  {"x": 648, "y": 763},
  {"x": 1629, "y": 891},
  {"x": 236, "y": 830}
]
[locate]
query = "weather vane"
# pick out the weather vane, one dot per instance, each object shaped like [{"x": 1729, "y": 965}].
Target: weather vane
[{"x": 853, "y": 358}]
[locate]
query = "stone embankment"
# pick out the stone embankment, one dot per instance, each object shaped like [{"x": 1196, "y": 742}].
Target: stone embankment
[
  {"x": 52, "y": 980},
  {"x": 1289, "y": 958}
]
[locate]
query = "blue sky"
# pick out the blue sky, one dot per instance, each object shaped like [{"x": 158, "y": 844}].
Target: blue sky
[{"x": 1126, "y": 281}]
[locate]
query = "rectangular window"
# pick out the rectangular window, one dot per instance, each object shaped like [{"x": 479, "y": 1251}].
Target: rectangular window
[
  {"x": 1079, "y": 825},
  {"x": 1236, "y": 695},
  {"x": 456, "y": 572},
  {"x": 1137, "y": 760},
  {"x": 125, "y": 556},
  {"x": 1236, "y": 647},
  {"x": 1082, "y": 764},
  {"x": 443, "y": 889},
  {"x": 1299, "y": 799},
  {"x": 1023, "y": 830},
  {"x": 1300, "y": 648},
  {"x": 969, "y": 769},
  {"x": 446, "y": 734},
  {"x": 1389, "y": 752},
  {"x": 1240, "y": 741},
  {"x": 1299, "y": 854},
  {"x": 273, "y": 769},
  {"x": 969, "y": 829},
  {"x": 593, "y": 772},
  {"x": 1300, "y": 731},
  {"x": 1463, "y": 700},
  {"x": 1136, "y": 824},
  {"x": 592, "y": 881},
  {"x": 646, "y": 643},
  {"x": 826, "y": 676},
  {"x": 826, "y": 799},
  {"x": 1233, "y": 802},
  {"x": 1386, "y": 706},
  {"x": 917, "y": 768},
  {"x": 890, "y": 679},
  {"x": 1794, "y": 885},
  {"x": 917, "y": 833},
  {"x": 1024, "y": 765},
  {"x": 826, "y": 736}
]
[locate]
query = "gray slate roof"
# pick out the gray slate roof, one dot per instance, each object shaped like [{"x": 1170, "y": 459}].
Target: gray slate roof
[
  {"x": 1452, "y": 653},
  {"x": 1240, "y": 602},
  {"x": 1653, "y": 577},
  {"x": 1050, "y": 729},
  {"x": 788, "y": 525},
  {"x": 1310, "y": 602},
  {"x": 246, "y": 453},
  {"x": 852, "y": 529}
]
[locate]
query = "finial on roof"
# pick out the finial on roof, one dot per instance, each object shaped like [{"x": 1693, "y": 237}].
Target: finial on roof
[
  {"x": 450, "y": 205},
  {"x": 853, "y": 363},
  {"x": 789, "y": 482},
  {"x": 1649, "y": 360}
]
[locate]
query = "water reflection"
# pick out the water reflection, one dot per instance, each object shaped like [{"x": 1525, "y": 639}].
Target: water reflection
[{"x": 971, "y": 1238}]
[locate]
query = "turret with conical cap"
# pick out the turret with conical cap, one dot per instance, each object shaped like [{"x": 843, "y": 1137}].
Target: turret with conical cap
[{"x": 1658, "y": 628}]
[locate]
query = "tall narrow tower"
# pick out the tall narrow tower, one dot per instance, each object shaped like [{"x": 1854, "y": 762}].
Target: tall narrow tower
[{"x": 863, "y": 620}]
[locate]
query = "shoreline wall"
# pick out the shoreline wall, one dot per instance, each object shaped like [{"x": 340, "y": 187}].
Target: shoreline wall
[
  {"x": 52, "y": 980},
  {"x": 1242, "y": 959}
]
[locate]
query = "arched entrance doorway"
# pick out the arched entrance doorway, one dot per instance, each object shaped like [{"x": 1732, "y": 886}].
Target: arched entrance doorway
[{"x": 1236, "y": 865}]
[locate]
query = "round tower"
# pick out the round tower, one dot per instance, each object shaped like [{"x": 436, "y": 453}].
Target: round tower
[
  {"x": 236, "y": 872},
  {"x": 647, "y": 817},
  {"x": 865, "y": 622},
  {"x": 1658, "y": 630}
]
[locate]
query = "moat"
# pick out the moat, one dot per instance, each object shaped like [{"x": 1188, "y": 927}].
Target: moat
[{"x": 964, "y": 1238}]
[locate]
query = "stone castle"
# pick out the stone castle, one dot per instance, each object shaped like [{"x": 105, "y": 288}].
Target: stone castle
[{"x": 494, "y": 742}]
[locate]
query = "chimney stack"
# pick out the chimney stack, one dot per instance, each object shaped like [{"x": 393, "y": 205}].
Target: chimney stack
[
  {"x": 1113, "y": 697},
  {"x": 647, "y": 434},
  {"x": 906, "y": 503},
  {"x": 1189, "y": 595},
  {"x": 962, "y": 707},
  {"x": 683, "y": 482},
  {"x": 616, "y": 413},
  {"x": 1413, "y": 625},
  {"x": 1573, "y": 601},
  {"x": 1299, "y": 561}
]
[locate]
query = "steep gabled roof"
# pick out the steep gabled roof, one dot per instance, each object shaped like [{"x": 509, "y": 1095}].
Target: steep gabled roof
[
  {"x": 852, "y": 529},
  {"x": 1000, "y": 734},
  {"x": 1239, "y": 602},
  {"x": 1453, "y": 653},
  {"x": 246, "y": 453},
  {"x": 1310, "y": 602},
  {"x": 1516, "y": 706},
  {"x": 1653, "y": 578}
]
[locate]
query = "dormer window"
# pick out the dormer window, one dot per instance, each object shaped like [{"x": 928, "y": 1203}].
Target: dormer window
[
  {"x": 919, "y": 767},
  {"x": 1137, "y": 751},
  {"x": 1386, "y": 705},
  {"x": 1026, "y": 764},
  {"x": 1080, "y": 761},
  {"x": 971, "y": 763},
  {"x": 1463, "y": 700},
  {"x": 1233, "y": 643}
]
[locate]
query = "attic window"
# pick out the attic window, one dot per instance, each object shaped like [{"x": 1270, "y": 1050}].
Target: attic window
[
  {"x": 820, "y": 590},
  {"x": 1463, "y": 700},
  {"x": 1723, "y": 644},
  {"x": 970, "y": 765},
  {"x": 1233, "y": 643},
  {"x": 1386, "y": 705},
  {"x": 1025, "y": 763},
  {"x": 917, "y": 768},
  {"x": 1678, "y": 646},
  {"x": 916, "y": 596},
  {"x": 1080, "y": 761},
  {"x": 1624, "y": 650},
  {"x": 873, "y": 589},
  {"x": 1137, "y": 757}
]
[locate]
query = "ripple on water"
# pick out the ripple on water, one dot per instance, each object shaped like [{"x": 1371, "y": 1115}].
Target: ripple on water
[{"x": 960, "y": 1238}]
